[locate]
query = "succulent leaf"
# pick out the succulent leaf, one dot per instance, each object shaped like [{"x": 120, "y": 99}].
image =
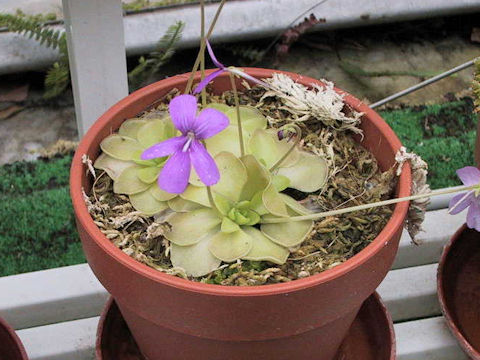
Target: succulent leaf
[
  {"x": 233, "y": 176},
  {"x": 130, "y": 127},
  {"x": 228, "y": 226},
  {"x": 148, "y": 174},
  {"x": 196, "y": 260},
  {"x": 155, "y": 131},
  {"x": 159, "y": 194},
  {"x": 229, "y": 247},
  {"x": 251, "y": 117},
  {"x": 309, "y": 174},
  {"x": 227, "y": 140},
  {"x": 188, "y": 228},
  {"x": 280, "y": 182},
  {"x": 120, "y": 147},
  {"x": 111, "y": 166},
  {"x": 197, "y": 195},
  {"x": 258, "y": 177},
  {"x": 267, "y": 148},
  {"x": 146, "y": 203},
  {"x": 265, "y": 249},
  {"x": 180, "y": 205},
  {"x": 129, "y": 183},
  {"x": 273, "y": 202},
  {"x": 287, "y": 234}
]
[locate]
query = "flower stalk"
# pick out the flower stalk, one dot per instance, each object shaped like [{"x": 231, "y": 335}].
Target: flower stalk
[
  {"x": 237, "y": 107},
  {"x": 203, "y": 45},
  {"x": 319, "y": 215}
]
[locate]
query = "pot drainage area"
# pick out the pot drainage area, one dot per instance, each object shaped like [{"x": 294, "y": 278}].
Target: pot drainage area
[{"x": 371, "y": 62}]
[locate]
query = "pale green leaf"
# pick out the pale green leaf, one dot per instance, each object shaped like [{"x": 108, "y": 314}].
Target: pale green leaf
[
  {"x": 266, "y": 146},
  {"x": 280, "y": 182},
  {"x": 287, "y": 234},
  {"x": 113, "y": 167},
  {"x": 228, "y": 226},
  {"x": 160, "y": 194},
  {"x": 295, "y": 206},
  {"x": 179, "y": 205},
  {"x": 196, "y": 194},
  {"x": 229, "y": 247},
  {"x": 120, "y": 147},
  {"x": 152, "y": 133},
  {"x": 129, "y": 183},
  {"x": 273, "y": 202},
  {"x": 148, "y": 174},
  {"x": 309, "y": 174},
  {"x": 146, "y": 203},
  {"x": 219, "y": 106},
  {"x": 264, "y": 249},
  {"x": 226, "y": 140},
  {"x": 233, "y": 176},
  {"x": 196, "y": 260},
  {"x": 251, "y": 117},
  {"x": 130, "y": 127},
  {"x": 258, "y": 177},
  {"x": 188, "y": 228}
]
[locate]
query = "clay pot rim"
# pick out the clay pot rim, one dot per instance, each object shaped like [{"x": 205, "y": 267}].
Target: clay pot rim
[
  {"x": 457, "y": 333},
  {"x": 83, "y": 216},
  {"x": 13, "y": 336}
]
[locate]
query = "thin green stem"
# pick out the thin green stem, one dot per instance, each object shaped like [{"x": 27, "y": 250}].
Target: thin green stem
[
  {"x": 237, "y": 107},
  {"x": 298, "y": 137},
  {"x": 368, "y": 206},
  {"x": 202, "y": 44},
  {"x": 188, "y": 88}
]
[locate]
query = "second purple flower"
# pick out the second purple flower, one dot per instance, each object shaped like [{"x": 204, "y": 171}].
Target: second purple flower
[{"x": 187, "y": 150}]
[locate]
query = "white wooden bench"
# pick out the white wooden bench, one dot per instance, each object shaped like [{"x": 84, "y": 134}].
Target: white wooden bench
[{"x": 56, "y": 311}]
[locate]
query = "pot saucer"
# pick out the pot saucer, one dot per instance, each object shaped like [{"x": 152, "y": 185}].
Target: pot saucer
[
  {"x": 371, "y": 335},
  {"x": 10, "y": 346},
  {"x": 459, "y": 291}
]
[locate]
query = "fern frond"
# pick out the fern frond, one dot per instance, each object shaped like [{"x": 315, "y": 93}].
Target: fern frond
[
  {"x": 33, "y": 28},
  {"x": 163, "y": 52},
  {"x": 57, "y": 80},
  {"x": 476, "y": 85}
]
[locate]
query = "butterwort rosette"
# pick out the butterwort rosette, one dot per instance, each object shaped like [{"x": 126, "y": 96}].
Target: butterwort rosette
[{"x": 187, "y": 149}]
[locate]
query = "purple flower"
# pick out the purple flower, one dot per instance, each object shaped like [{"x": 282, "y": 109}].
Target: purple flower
[
  {"x": 221, "y": 69},
  {"x": 187, "y": 150},
  {"x": 470, "y": 176}
]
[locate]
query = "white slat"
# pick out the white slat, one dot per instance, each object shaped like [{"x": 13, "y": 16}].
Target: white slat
[
  {"x": 411, "y": 293},
  {"x": 439, "y": 226},
  {"x": 72, "y": 340},
  {"x": 50, "y": 296},
  {"x": 96, "y": 52},
  {"x": 427, "y": 339}
]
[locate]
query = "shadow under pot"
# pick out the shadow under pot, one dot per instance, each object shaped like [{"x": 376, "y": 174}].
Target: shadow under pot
[
  {"x": 11, "y": 347},
  {"x": 371, "y": 336},
  {"x": 458, "y": 281}
]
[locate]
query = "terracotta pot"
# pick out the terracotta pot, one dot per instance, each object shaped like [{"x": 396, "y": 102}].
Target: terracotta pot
[
  {"x": 458, "y": 281},
  {"x": 172, "y": 318},
  {"x": 11, "y": 347},
  {"x": 371, "y": 336}
]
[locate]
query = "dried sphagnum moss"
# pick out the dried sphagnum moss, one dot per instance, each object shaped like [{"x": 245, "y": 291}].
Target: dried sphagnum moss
[{"x": 354, "y": 179}]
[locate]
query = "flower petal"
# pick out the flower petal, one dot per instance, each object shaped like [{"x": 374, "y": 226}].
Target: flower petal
[
  {"x": 206, "y": 80},
  {"x": 459, "y": 207},
  {"x": 473, "y": 215},
  {"x": 469, "y": 175},
  {"x": 204, "y": 164},
  {"x": 183, "y": 109},
  {"x": 164, "y": 148},
  {"x": 213, "y": 57},
  {"x": 210, "y": 122},
  {"x": 175, "y": 173}
]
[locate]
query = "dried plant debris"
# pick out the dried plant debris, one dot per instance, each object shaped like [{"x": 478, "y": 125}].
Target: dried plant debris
[
  {"x": 322, "y": 103},
  {"x": 354, "y": 179},
  {"x": 417, "y": 208}
]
